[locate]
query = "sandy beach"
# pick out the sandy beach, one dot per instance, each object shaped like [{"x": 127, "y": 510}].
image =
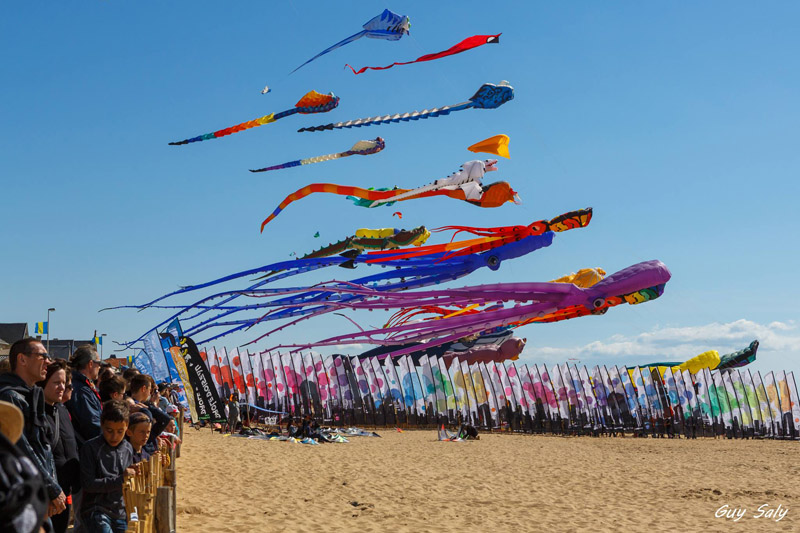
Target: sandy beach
[{"x": 411, "y": 482}]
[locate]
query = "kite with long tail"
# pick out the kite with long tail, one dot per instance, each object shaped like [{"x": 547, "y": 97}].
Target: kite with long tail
[
  {"x": 388, "y": 26},
  {"x": 360, "y": 148},
  {"x": 633, "y": 285},
  {"x": 489, "y": 96},
  {"x": 466, "y": 185},
  {"x": 311, "y": 102},
  {"x": 399, "y": 275},
  {"x": 467, "y": 44}
]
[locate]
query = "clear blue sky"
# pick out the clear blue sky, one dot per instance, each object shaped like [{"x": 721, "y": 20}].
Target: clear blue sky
[{"x": 677, "y": 123}]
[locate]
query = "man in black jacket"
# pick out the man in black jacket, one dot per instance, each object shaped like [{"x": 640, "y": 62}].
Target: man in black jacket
[
  {"x": 28, "y": 359},
  {"x": 85, "y": 405}
]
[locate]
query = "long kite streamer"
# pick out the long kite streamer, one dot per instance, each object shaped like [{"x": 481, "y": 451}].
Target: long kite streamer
[
  {"x": 399, "y": 275},
  {"x": 464, "y": 185},
  {"x": 467, "y": 44},
  {"x": 489, "y": 96},
  {"x": 311, "y": 102},
  {"x": 360, "y": 148},
  {"x": 387, "y": 26},
  {"x": 636, "y": 284}
]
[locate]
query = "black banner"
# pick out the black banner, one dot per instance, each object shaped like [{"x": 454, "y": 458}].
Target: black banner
[{"x": 209, "y": 406}]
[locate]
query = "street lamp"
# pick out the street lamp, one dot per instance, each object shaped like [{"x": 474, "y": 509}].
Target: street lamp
[
  {"x": 48, "y": 329},
  {"x": 101, "y": 345}
]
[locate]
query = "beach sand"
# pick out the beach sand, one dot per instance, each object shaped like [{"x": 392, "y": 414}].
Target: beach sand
[{"x": 411, "y": 482}]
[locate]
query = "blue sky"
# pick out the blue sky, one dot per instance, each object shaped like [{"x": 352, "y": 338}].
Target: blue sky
[{"x": 676, "y": 123}]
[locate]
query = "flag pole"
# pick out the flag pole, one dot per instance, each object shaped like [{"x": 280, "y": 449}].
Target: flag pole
[{"x": 48, "y": 328}]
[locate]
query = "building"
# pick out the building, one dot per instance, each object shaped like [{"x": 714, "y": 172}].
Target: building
[{"x": 11, "y": 333}]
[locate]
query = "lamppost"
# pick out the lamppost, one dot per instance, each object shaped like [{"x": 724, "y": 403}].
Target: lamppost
[
  {"x": 101, "y": 344},
  {"x": 48, "y": 329}
]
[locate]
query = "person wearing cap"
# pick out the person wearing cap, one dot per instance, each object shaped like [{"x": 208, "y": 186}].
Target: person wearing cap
[
  {"x": 85, "y": 406},
  {"x": 28, "y": 359}
]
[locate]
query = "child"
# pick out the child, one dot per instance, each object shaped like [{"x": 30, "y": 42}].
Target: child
[
  {"x": 139, "y": 425},
  {"x": 105, "y": 460}
]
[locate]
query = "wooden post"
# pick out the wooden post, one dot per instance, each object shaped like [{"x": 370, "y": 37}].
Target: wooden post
[
  {"x": 181, "y": 412},
  {"x": 165, "y": 510}
]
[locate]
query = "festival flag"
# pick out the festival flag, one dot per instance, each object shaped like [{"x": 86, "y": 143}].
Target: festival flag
[
  {"x": 560, "y": 388},
  {"x": 152, "y": 346},
  {"x": 630, "y": 393},
  {"x": 396, "y": 391},
  {"x": 795, "y": 404},
  {"x": 600, "y": 390},
  {"x": 535, "y": 405},
  {"x": 498, "y": 387},
  {"x": 516, "y": 387},
  {"x": 586, "y": 386},
  {"x": 704, "y": 397},
  {"x": 680, "y": 390},
  {"x": 41, "y": 328},
  {"x": 259, "y": 383},
  {"x": 204, "y": 400},
  {"x": 774, "y": 402},
  {"x": 142, "y": 362},
  {"x": 248, "y": 377},
  {"x": 505, "y": 382},
  {"x": 651, "y": 392},
  {"x": 416, "y": 385},
  {"x": 447, "y": 385},
  {"x": 741, "y": 397},
  {"x": 428, "y": 386},
  {"x": 407, "y": 386},
  {"x": 724, "y": 405},
  {"x": 228, "y": 386},
  {"x": 375, "y": 385},
  {"x": 281, "y": 389},
  {"x": 539, "y": 393},
  {"x": 641, "y": 393},
  {"x": 238, "y": 371},
  {"x": 326, "y": 379},
  {"x": 750, "y": 394},
  {"x": 690, "y": 394},
  {"x": 713, "y": 395},
  {"x": 213, "y": 368},
  {"x": 472, "y": 400},
  {"x": 268, "y": 379},
  {"x": 404, "y": 375},
  {"x": 361, "y": 381},
  {"x": 441, "y": 395},
  {"x": 547, "y": 386},
  {"x": 616, "y": 395},
  {"x": 491, "y": 396},
  {"x": 783, "y": 392},
  {"x": 97, "y": 341},
  {"x": 571, "y": 387},
  {"x": 346, "y": 394},
  {"x": 763, "y": 401}
]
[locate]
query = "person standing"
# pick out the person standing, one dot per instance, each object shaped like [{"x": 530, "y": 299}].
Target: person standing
[
  {"x": 28, "y": 362},
  {"x": 63, "y": 443},
  {"x": 105, "y": 461},
  {"x": 85, "y": 405}
]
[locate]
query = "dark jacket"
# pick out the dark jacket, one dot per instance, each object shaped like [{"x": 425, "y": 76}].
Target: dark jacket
[
  {"x": 65, "y": 448},
  {"x": 102, "y": 471},
  {"x": 35, "y": 439},
  {"x": 85, "y": 408},
  {"x": 160, "y": 422}
]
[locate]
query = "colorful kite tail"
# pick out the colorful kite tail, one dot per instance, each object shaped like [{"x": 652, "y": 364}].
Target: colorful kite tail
[{"x": 330, "y": 188}]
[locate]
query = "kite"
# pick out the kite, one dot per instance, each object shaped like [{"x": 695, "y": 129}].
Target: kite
[
  {"x": 266, "y": 89},
  {"x": 360, "y": 148},
  {"x": 467, "y": 44},
  {"x": 399, "y": 275},
  {"x": 387, "y": 26},
  {"x": 463, "y": 185},
  {"x": 489, "y": 96},
  {"x": 497, "y": 347},
  {"x": 398, "y": 214},
  {"x": 636, "y": 284},
  {"x": 489, "y": 238},
  {"x": 711, "y": 360},
  {"x": 311, "y": 102},
  {"x": 497, "y": 145},
  {"x": 316, "y": 235}
]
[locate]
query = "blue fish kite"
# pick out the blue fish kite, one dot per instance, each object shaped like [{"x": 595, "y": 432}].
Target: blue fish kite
[{"x": 389, "y": 26}]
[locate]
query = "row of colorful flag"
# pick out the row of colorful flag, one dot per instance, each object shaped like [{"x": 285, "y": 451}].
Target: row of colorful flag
[{"x": 491, "y": 393}]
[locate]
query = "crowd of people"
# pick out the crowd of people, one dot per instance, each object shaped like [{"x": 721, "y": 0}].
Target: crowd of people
[{"x": 85, "y": 427}]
